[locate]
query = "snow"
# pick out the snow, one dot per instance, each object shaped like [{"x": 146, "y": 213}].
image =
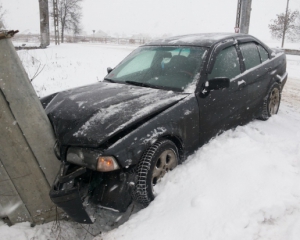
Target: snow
[
  {"x": 154, "y": 135},
  {"x": 293, "y": 66},
  {"x": 70, "y": 65},
  {"x": 195, "y": 38},
  {"x": 243, "y": 184}
]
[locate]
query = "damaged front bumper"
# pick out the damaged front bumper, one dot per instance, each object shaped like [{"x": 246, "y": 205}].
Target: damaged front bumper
[{"x": 77, "y": 187}]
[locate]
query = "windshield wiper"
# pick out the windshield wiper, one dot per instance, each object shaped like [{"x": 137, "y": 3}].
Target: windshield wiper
[
  {"x": 109, "y": 80},
  {"x": 142, "y": 84}
]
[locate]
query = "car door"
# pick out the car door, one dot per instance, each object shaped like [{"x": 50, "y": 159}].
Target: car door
[
  {"x": 256, "y": 75},
  {"x": 221, "y": 109}
]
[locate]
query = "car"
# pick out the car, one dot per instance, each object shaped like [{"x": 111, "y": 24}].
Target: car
[{"x": 117, "y": 138}]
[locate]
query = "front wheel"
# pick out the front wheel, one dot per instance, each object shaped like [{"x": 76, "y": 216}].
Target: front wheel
[
  {"x": 271, "y": 102},
  {"x": 160, "y": 158}
]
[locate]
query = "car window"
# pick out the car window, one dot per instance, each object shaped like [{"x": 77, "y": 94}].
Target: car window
[
  {"x": 167, "y": 67},
  {"x": 139, "y": 63},
  {"x": 226, "y": 65},
  {"x": 263, "y": 53},
  {"x": 250, "y": 54}
]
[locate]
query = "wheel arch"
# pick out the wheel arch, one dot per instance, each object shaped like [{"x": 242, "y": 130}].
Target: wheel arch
[{"x": 179, "y": 144}]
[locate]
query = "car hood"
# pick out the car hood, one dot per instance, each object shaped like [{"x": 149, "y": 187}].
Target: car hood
[{"x": 94, "y": 114}]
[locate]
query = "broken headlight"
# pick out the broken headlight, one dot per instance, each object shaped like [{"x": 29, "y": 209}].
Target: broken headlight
[{"x": 92, "y": 159}]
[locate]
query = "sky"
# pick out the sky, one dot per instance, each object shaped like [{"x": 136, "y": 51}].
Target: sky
[{"x": 154, "y": 17}]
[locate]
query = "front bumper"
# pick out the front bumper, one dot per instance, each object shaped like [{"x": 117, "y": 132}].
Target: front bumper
[
  {"x": 71, "y": 202},
  {"x": 76, "y": 187}
]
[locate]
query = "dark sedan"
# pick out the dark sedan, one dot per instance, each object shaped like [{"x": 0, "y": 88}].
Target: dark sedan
[{"x": 117, "y": 138}]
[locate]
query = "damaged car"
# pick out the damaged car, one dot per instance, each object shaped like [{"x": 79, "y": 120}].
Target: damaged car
[{"x": 117, "y": 138}]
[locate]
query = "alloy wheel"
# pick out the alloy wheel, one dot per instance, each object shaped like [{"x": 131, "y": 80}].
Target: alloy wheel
[
  {"x": 167, "y": 161},
  {"x": 274, "y": 101}
]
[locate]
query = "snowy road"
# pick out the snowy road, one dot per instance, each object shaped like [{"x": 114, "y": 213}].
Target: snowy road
[
  {"x": 291, "y": 93},
  {"x": 244, "y": 184}
]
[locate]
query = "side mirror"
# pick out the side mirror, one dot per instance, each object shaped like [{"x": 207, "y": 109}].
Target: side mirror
[
  {"x": 109, "y": 69},
  {"x": 217, "y": 83}
]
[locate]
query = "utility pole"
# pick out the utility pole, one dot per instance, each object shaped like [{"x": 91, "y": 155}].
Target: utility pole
[
  {"x": 28, "y": 165},
  {"x": 55, "y": 17},
  {"x": 243, "y": 16},
  {"x": 44, "y": 23},
  {"x": 285, "y": 23},
  {"x": 238, "y": 17}
]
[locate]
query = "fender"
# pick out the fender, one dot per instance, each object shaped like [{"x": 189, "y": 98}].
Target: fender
[{"x": 170, "y": 123}]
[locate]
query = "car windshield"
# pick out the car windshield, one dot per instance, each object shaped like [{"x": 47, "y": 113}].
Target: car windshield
[{"x": 171, "y": 68}]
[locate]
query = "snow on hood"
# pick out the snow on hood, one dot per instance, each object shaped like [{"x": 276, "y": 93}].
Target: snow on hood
[{"x": 90, "y": 115}]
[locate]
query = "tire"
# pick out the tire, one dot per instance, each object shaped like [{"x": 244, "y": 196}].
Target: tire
[
  {"x": 160, "y": 158},
  {"x": 271, "y": 102}
]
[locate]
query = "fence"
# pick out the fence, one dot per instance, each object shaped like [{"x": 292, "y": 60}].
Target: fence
[{"x": 35, "y": 38}]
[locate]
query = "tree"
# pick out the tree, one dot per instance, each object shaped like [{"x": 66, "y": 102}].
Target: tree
[
  {"x": 292, "y": 29},
  {"x": 69, "y": 15},
  {"x": 2, "y": 12},
  {"x": 297, "y": 23}
]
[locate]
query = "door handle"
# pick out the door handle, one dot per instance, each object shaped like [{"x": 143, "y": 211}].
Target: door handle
[
  {"x": 241, "y": 83},
  {"x": 273, "y": 72}
]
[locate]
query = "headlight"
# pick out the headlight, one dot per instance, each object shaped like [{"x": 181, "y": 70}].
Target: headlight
[
  {"x": 107, "y": 164},
  {"x": 92, "y": 159}
]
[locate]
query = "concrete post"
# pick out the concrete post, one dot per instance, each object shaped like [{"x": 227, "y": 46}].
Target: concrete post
[
  {"x": 11, "y": 205},
  {"x": 245, "y": 13},
  {"x": 44, "y": 23},
  {"x": 26, "y": 138}
]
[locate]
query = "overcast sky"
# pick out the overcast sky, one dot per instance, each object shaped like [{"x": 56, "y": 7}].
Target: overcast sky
[{"x": 154, "y": 17}]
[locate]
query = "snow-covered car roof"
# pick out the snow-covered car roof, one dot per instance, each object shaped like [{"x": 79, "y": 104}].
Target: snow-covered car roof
[{"x": 200, "y": 39}]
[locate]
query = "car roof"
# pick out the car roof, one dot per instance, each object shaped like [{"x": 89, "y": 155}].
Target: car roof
[{"x": 200, "y": 39}]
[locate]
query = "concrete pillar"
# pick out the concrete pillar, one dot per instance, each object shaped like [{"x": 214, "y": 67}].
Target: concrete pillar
[
  {"x": 245, "y": 16},
  {"x": 44, "y": 23},
  {"x": 11, "y": 205},
  {"x": 26, "y": 140}
]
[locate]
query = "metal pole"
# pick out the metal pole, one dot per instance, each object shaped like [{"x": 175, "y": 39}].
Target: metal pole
[
  {"x": 55, "y": 17},
  {"x": 44, "y": 23},
  {"x": 285, "y": 23}
]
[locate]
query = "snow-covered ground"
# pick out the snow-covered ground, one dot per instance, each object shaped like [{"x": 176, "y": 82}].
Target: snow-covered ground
[
  {"x": 243, "y": 184},
  {"x": 70, "y": 65}
]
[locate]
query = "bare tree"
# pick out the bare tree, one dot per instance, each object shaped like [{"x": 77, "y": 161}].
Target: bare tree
[
  {"x": 69, "y": 15},
  {"x": 297, "y": 23},
  {"x": 2, "y": 12},
  {"x": 292, "y": 28}
]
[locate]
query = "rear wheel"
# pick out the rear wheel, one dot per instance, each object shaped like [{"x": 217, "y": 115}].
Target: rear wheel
[
  {"x": 271, "y": 102},
  {"x": 160, "y": 158}
]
